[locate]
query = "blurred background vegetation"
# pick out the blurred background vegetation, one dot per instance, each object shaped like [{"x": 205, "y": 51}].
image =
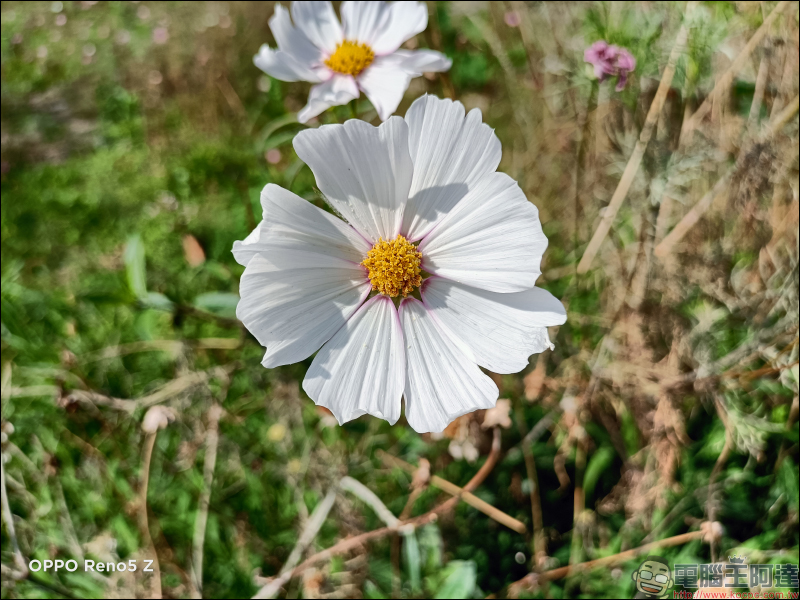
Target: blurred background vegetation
[{"x": 137, "y": 422}]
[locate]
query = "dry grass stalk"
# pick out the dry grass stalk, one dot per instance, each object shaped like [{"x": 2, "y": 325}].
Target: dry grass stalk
[
  {"x": 19, "y": 560},
  {"x": 144, "y": 527},
  {"x": 166, "y": 392},
  {"x": 539, "y": 546},
  {"x": 432, "y": 515},
  {"x": 720, "y": 187},
  {"x": 212, "y": 441},
  {"x": 531, "y": 580},
  {"x": 726, "y": 79},
  {"x": 314, "y": 524},
  {"x": 458, "y": 492}
]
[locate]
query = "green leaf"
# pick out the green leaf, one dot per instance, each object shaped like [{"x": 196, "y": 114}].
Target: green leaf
[
  {"x": 380, "y": 571},
  {"x": 787, "y": 480},
  {"x": 126, "y": 537},
  {"x": 275, "y": 125},
  {"x": 158, "y": 301},
  {"x": 459, "y": 581},
  {"x": 135, "y": 266},
  {"x": 630, "y": 432},
  {"x": 279, "y": 139},
  {"x": 598, "y": 463},
  {"x": 412, "y": 561},
  {"x": 219, "y": 303},
  {"x": 430, "y": 542},
  {"x": 372, "y": 591}
]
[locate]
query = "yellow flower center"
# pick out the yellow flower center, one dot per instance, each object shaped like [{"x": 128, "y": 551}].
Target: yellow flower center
[
  {"x": 350, "y": 58},
  {"x": 394, "y": 267}
]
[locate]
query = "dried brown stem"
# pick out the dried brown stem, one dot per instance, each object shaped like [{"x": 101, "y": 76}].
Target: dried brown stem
[
  {"x": 691, "y": 218},
  {"x": 720, "y": 187},
  {"x": 458, "y": 492},
  {"x": 212, "y": 441},
  {"x": 532, "y": 579},
  {"x": 758, "y": 94},
  {"x": 144, "y": 527},
  {"x": 430, "y": 516},
  {"x": 314, "y": 524},
  {"x": 9, "y": 521},
  {"x": 162, "y": 394},
  {"x": 538, "y": 543},
  {"x": 579, "y": 499},
  {"x": 724, "y": 82},
  {"x": 580, "y": 162}
]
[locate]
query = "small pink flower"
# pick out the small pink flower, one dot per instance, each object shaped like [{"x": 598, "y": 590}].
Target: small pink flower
[
  {"x": 273, "y": 156},
  {"x": 626, "y": 63},
  {"x": 160, "y": 35},
  {"x": 610, "y": 61},
  {"x": 512, "y": 18}
]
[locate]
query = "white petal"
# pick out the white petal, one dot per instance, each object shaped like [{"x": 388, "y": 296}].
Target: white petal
[
  {"x": 501, "y": 330},
  {"x": 417, "y": 62},
  {"x": 292, "y": 40},
  {"x": 298, "y": 227},
  {"x": 363, "y": 171},
  {"x": 293, "y": 311},
  {"x": 361, "y": 369},
  {"x": 492, "y": 239},
  {"x": 247, "y": 248},
  {"x": 442, "y": 383},
  {"x": 405, "y": 20},
  {"x": 338, "y": 90},
  {"x": 303, "y": 278},
  {"x": 363, "y": 21},
  {"x": 450, "y": 155},
  {"x": 319, "y": 24},
  {"x": 384, "y": 82},
  {"x": 284, "y": 66}
]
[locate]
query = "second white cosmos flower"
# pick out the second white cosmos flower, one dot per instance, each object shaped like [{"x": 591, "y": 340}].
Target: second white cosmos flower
[
  {"x": 362, "y": 54},
  {"x": 421, "y": 198}
]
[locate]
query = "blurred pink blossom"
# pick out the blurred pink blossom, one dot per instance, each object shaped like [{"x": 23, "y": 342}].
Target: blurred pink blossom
[
  {"x": 512, "y": 18},
  {"x": 160, "y": 35},
  {"x": 609, "y": 61}
]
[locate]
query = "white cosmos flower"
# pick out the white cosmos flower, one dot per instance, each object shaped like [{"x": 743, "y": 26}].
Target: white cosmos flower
[
  {"x": 420, "y": 197},
  {"x": 361, "y": 54}
]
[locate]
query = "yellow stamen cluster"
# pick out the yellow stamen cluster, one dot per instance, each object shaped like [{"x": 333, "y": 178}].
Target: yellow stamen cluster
[
  {"x": 394, "y": 267},
  {"x": 350, "y": 58}
]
